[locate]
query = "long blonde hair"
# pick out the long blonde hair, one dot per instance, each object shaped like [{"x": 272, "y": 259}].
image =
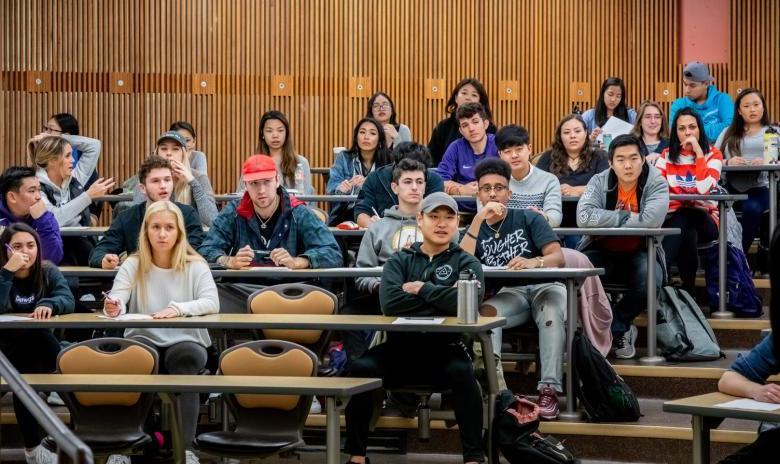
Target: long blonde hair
[
  {"x": 182, "y": 252},
  {"x": 44, "y": 151},
  {"x": 182, "y": 193}
]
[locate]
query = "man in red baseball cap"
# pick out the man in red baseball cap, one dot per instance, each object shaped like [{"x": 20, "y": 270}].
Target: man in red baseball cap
[{"x": 268, "y": 227}]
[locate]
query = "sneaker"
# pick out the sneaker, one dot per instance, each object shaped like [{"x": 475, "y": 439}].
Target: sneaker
[
  {"x": 624, "y": 346},
  {"x": 548, "y": 403},
  {"x": 118, "y": 459},
  {"x": 54, "y": 399},
  {"x": 40, "y": 455},
  {"x": 316, "y": 407},
  {"x": 190, "y": 457}
]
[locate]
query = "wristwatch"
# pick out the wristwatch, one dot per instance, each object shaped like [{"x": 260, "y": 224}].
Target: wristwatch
[{"x": 541, "y": 261}]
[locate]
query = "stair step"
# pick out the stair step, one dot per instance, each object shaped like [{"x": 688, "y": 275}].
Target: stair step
[
  {"x": 760, "y": 283},
  {"x": 721, "y": 324}
]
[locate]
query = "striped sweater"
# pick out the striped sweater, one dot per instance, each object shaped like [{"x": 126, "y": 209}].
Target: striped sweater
[{"x": 690, "y": 175}]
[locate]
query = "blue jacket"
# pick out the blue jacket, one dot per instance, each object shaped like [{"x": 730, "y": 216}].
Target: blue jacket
[
  {"x": 716, "y": 112},
  {"x": 346, "y": 165},
  {"x": 47, "y": 228},
  {"x": 377, "y": 194},
  {"x": 759, "y": 363},
  {"x": 298, "y": 231}
]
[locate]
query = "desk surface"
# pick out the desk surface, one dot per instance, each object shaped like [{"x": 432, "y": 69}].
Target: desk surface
[
  {"x": 347, "y": 272},
  {"x": 328, "y": 386},
  {"x": 759, "y": 168},
  {"x": 261, "y": 321},
  {"x": 708, "y": 197},
  {"x": 704, "y": 405},
  {"x": 617, "y": 231}
]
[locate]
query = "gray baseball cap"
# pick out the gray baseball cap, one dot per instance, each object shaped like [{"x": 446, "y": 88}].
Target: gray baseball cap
[
  {"x": 437, "y": 199},
  {"x": 697, "y": 71}
]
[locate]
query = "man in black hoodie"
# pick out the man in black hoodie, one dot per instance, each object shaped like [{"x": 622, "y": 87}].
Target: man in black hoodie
[{"x": 420, "y": 281}]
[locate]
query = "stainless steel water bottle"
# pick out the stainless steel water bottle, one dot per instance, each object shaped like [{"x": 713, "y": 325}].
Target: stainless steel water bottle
[{"x": 468, "y": 296}]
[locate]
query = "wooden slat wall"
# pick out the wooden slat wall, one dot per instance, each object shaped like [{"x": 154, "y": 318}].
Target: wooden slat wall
[{"x": 239, "y": 46}]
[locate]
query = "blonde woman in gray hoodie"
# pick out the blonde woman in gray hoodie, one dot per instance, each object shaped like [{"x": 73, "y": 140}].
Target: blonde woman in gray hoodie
[{"x": 62, "y": 185}]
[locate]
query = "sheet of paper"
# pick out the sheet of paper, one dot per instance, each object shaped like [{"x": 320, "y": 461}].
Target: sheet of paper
[
  {"x": 615, "y": 127},
  {"x": 11, "y": 318},
  {"x": 747, "y": 403},
  {"x": 129, "y": 317},
  {"x": 418, "y": 320},
  {"x": 493, "y": 268}
]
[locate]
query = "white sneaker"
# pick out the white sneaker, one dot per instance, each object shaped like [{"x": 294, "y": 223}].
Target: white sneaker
[
  {"x": 191, "y": 458},
  {"x": 624, "y": 348},
  {"x": 54, "y": 399},
  {"x": 40, "y": 455},
  {"x": 118, "y": 459},
  {"x": 316, "y": 407}
]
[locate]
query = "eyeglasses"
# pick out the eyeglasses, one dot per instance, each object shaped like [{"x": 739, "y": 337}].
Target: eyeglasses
[
  {"x": 651, "y": 116},
  {"x": 498, "y": 188},
  {"x": 381, "y": 106},
  {"x": 50, "y": 130}
]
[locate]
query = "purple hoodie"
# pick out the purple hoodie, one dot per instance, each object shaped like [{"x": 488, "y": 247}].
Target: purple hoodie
[
  {"x": 459, "y": 162},
  {"x": 47, "y": 228}
]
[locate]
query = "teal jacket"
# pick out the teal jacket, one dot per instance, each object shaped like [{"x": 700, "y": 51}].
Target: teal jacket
[{"x": 716, "y": 112}]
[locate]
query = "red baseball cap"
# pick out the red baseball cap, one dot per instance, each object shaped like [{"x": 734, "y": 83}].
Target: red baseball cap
[{"x": 258, "y": 167}]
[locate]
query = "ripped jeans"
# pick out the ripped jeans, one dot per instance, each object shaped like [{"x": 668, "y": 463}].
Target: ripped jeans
[{"x": 546, "y": 302}]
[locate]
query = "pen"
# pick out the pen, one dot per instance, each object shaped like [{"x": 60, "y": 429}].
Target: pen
[
  {"x": 9, "y": 248},
  {"x": 108, "y": 298},
  {"x": 374, "y": 210}
]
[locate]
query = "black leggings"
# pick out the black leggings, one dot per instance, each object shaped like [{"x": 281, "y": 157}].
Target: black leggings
[
  {"x": 765, "y": 449},
  {"x": 31, "y": 351},
  {"x": 406, "y": 360},
  {"x": 183, "y": 358},
  {"x": 696, "y": 228}
]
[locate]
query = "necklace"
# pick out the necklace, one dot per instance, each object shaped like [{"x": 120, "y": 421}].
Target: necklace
[
  {"x": 264, "y": 224},
  {"x": 496, "y": 231}
]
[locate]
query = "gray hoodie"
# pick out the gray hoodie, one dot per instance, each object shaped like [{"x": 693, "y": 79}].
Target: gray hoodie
[
  {"x": 382, "y": 239},
  {"x": 67, "y": 207},
  {"x": 596, "y": 206}
]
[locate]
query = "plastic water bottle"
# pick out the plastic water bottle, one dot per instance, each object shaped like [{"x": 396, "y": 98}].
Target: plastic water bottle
[
  {"x": 468, "y": 297},
  {"x": 607, "y": 140},
  {"x": 771, "y": 142},
  {"x": 299, "y": 179}
]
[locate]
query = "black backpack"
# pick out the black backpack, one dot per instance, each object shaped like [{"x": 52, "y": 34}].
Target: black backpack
[
  {"x": 604, "y": 394},
  {"x": 521, "y": 443}
]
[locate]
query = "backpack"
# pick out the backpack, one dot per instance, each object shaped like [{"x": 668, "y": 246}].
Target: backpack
[
  {"x": 682, "y": 331},
  {"x": 516, "y": 433},
  {"x": 606, "y": 397},
  {"x": 742, "y": 297}
]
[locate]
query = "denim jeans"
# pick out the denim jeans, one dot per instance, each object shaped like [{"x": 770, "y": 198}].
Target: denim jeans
[
  {"x": 546, "y": 303},
  {"x": 752, "y": 210},
  {"x": 629, "y": 270}
]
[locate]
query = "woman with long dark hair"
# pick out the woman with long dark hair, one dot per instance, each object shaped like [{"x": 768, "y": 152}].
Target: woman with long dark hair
[
  {"x": 275, "y": 140},
  {"x": 747, "y": 376},
  {"x": 742, "y": 144},
  {"x": 611, "y": 102},
  {"x": 690, "y": 166},
  {"x": 30, "y": 286},
  {"x": 469, "y": 90},
  {"x": 382, "y": 108}
]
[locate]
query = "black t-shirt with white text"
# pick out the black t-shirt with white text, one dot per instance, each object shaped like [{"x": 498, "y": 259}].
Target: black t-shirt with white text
[{"x": 523, "y": 233}]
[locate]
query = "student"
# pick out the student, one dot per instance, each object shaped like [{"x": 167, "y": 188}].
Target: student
[
  {"x": 714, "y": 108},
  {"x": 689, "y": 166},
  {"x": 276, "y": 142},
  {"x": 420, "y": 281},
  {"x": 368, "y": 153},
  {"x": 197, "y": 158},
  {"x": 167, "y": 278},
  {"x": 611, "y": 102},
  {"x": 629, "y": 194},
  {"x": 377, "y": 194},
  {"x": 742, "y": 143},
  {"x": 573, "y": 159},
  {"x": 532, "y": 188},
  {"x": 156, "y": 182},
  {"x": 20, "y": 201},
  {"x": 747, "y": 376},
  {"x": 652, "y": 128},
  {"x": 457, "y": 167},
  {"x": 31, "y": 286},
  {"x": 267, "y": 226},
  {"x": 62, "y": 185},
  {"x": 468, "y": 90},
  {"x": 67, "y": 124},
  {"x": 397, "y": 229},
  {"x": 190, "y": 187},
  {"x": 382, "y": 109},
  {"x": 521, "y": 239}
]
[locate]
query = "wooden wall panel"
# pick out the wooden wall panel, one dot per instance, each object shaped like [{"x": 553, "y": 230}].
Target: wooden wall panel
[{"x": 398, "y": 46}]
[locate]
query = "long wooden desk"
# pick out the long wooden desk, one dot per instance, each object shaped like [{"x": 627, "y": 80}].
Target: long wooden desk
[
  {"x": 706, "y": 416},
  {"x": 167, "y": 386}
]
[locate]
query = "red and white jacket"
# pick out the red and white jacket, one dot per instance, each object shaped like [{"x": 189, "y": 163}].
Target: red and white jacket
[{"x": 690, "y": 175}]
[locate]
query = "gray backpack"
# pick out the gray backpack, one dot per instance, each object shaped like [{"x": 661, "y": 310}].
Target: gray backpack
[{"x": 683, "y": 332}]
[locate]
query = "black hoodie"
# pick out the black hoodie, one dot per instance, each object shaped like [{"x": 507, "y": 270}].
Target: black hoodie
[{"x": 438, "y": 297}]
